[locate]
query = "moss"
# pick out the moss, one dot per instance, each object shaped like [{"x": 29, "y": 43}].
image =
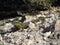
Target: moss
[{"x": 18, "y": 25}]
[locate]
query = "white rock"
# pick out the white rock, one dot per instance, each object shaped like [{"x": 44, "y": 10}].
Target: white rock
[
  {"x": 19, "y": 18},
  {"x": 57, "y": 25},
  {"x": 21, "y": 37},
  {"x": 30, "y": 18},
  {"x": 11, "y": 19},
  {"x": 39, "y": 15},
  {"x": 8, "y": 26},
  {"x": 46, "y": 24},
  {"x": 0, "y": 38},
  {"x": 54, "y": 16},
  {"x": 1, "y": 43},
  {"x": 46, "y": 35},
  {"x": 43, "y": 16},
  {"x": 32, "y": 25},
  {"x": 50, "y": 20},
  {"x": 19, "y": 13},
  {"x": 30, "y": 42},
  {"x": 39, "y": 22}
]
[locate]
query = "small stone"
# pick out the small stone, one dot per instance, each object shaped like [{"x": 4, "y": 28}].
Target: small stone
[
  {"x": 11, "y": 19},
  {"x": 28, "y": 37},
  {"x": 46, "y": 24},
  {"x": 19, "y": 13},
  {"x": 0, "y": 38},
  {"x": 31, "y": 25},
  {"x": 46, "y": 35},
  {"x": 18, "y": 25},
  {"x": 38, "y": 15},
  {"x": 30, "y": 18},
  {"x": 6, "y": 27},
  {"x": 57, "y": 25},
  {"x": 19, "y": 18}
]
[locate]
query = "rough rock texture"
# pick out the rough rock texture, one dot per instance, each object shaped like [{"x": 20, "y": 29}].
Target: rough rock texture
[{"x": 41, "y": 29}]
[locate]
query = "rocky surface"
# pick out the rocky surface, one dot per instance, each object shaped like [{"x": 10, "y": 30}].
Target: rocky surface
[{"x": 41, "y": 29}]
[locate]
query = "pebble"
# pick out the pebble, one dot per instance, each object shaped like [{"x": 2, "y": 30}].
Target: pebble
[
  {"x": 32, "y": 26},
  {"x": 11, "y": 19}
]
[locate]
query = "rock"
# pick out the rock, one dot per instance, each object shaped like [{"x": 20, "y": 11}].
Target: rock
[
  {"x": 32, "y": 26},
  {"x": 49, "y": 20},
  {"x": 54, "y": 16},
  {"x": 39, "y": 15},
  {"x": 56, "y": 32},
  {"x": 19, "y": 13},
  {"x": 23, "y": 38},
  {"x": 54, "y": 42},
  {"x": 57, "y": 35},
  {"x": 46, "y": 35},
  {"x": 46, "y": 24},
  {"x": 12, "y": 19},
  {"x": 29, "y": 18},
  {"x": 0, "y": 38},
  {"x": 7, "y": 27},
  {"x": 19, "y": 18},
  {"x": 57, "y": 25}
]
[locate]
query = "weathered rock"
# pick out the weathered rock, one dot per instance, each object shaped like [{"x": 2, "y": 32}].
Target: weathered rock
[
  {"x": 24, "y": 38},
  {"x": 31, "y": 25},
  {"x": 29, "y": 18},
  {"x": 57, "y": 30},
  {"x": 6, "y": 28},
  {"x": 11, "y": 20},
  {"x": 57, "y": 25},
  {"x": 36, "y": 30}
]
